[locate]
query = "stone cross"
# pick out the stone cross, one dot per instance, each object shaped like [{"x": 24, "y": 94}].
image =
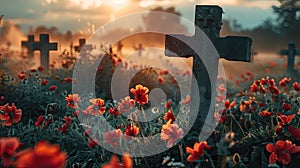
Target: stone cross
[
  {"x": 29, "y": 45},
  {"x": 82, "y": 45},
  {"x": 44, "y": 47},
  {"x": 291, "y": 52},
  {"x": 209, "y": 19}
]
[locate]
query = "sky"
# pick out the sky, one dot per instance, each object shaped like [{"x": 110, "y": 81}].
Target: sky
[{"x": 88, "y": 15}]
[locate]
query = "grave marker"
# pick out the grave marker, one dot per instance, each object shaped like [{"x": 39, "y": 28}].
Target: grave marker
[
  {"x": 44, "y": 47},
  {"x": 82, "y": 45},
  {"x": 29, "y": 45},
  {"x": 209, "y": 19},
  {"x": 291, "y": 52}
]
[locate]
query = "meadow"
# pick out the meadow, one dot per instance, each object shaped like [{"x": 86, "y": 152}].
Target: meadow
[{"x": 42, "y": 118}]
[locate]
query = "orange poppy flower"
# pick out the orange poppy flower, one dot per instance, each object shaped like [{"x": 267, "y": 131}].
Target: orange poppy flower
[
  {"x": 126, "y": 105},
  {"x": 160, "y": 79},
  {"x": 265, "y": 113},
  {"x": 8, "y": 146},
  {"x": 286, "y": 119},
  {"x": 187, "y": 100},
  {"x": 112, "y": 137},
  {"x": 10, "y": 114},
  {"x": 98, "y": 102},
  {"x": 131, "y": 131},
  {"x": 172, "y": 133},
  {"x": 197, "y": 151},
  {"x": 169, "y": 116},
  {"x": 140, "y": 94},
  {"x": 281, "y": 151},
  {"x": 73, "y": 100},
  {"x": 43, "y": 155},
  {"x": 114, "y": 162}
]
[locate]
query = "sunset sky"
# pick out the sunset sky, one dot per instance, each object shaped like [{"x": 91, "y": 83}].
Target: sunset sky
[{"x": 88, "y": 15}]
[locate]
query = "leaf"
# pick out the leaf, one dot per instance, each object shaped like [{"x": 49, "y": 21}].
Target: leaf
[{"x": 264, "y": 159}]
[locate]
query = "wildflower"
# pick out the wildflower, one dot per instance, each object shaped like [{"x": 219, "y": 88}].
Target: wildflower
[
  {"x": 88, "y": 132},
  {"x": 39, "y": 121},
  {"x": 44, "y": 82},
  {"x": 53, "y": 87},
  {"x": 67, "y": 79},
  {"x": 40, "y": 68},
  {"x": 100, "y": 104},
  {"x": 284, "y": 82},
  {"x": 125, "y": 105},
  {"x": 265, "y": 113},
  {"x": 286, "y": 119},
  {"x": 140, "y": 94},
  {"x": 114, "y": 162},
  {"x": 164, "y": 72},
  {"x": 68, "y": 120},
  {"x": 112, "y": 137},
  {"x": 169, "y": 116},
  {"x": 286, "y": 106},
  {"x": 63, "y": 129},
  {"x": 131, "y": 131},
  {"x": 8, "y": 146},
  {"x": 296, "y": 86},
  {"x": 42, "y": 155},
  {"x": 160, "y": 79},
  {"x": 295, "y": 132},
  {"x": 172, "y": 133},
  {"x": 281, "y": 151},
  {"x": 168, "y": 105},
  {"x": 21, "y": 75},
  {"x": 197, "y": 151},
  {"x": 228, "y": 105},
  {"x": 187, "y": 100},
  {"x": 73, "y": 100},
  {"x": 114, "y": 111},
  {"x": 93, "y": 143},
  {"x": 10, "y": 114}
]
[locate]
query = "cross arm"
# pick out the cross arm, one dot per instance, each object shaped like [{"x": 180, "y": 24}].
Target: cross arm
[
  {"x": 234, "y": 48},
  {"x": 178, "y": 47}
]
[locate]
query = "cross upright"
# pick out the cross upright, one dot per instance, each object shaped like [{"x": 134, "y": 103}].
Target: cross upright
[
  {"x": 291, "y": 52},
  {"x": 208, "y": 18},
  {"x": 82, "y": 45},
  {"x": 44, "y": 47},
  {"x": 29, "y": 45}
]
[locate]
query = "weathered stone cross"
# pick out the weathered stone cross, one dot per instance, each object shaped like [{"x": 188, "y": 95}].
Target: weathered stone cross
[
  {"x": 29, "y": 45},
  {"x": 291, "y": 52},
  {"x": 209, "y": 19},
  {"x": 44, "y": 47},
  {"x": 82, "y": 44}
]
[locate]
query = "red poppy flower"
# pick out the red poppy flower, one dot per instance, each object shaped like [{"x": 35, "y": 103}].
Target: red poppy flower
[
  {"x": 126, "y": 105},
  {"x": 286, "y": 106},
  {"x": 8, "y": 146},
  {"x": 63, "y": 128},
  {"x": 229, "y": 104},
  {"x": 197, "y": 151},
  {"x": 131, "y": 131},
  {"x": 39, "y": 121},
  {"x": 171, "y": 133},
  {"x": 68, "y": 120},
  {"x": 40, "y": 68},
  {"x": 67, "y": 79},
  {"x": 295, "y": 132},
  {"x": 114, "y": 162},
  {"x": 93, "y": 143},
  {"x": 53, "y": 87},
  {"x": 169, "y": 116},
  {"x": 140, "y": 94},
  {"x": 283, "y": 82},
  {"x": 114, "y": 111},
  {"x": 265, "y": 113},
  {"x": 112, "y": 137},
  {"x": 296, "y": 86},
  {"x": 168, "y": 105},
  {"x": 73, "y": 100},
  {"x": 187, "y": 100},
  {"x": 286, "y": 119},
  {"x": 43, "y": 155},
  {"x": 44, "y": 82},
  {"x": 281, "y": 151},
  {"x": 10, "y": 114},
  {"x": 88, "y": 132}
]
